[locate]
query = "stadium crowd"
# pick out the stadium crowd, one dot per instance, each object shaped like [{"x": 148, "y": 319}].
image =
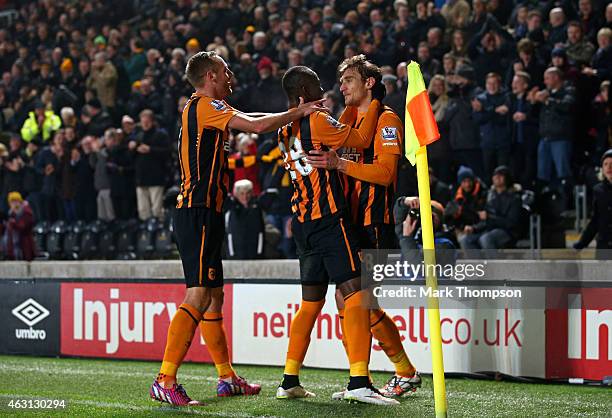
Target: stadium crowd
[{"x": 91, "y": 93}]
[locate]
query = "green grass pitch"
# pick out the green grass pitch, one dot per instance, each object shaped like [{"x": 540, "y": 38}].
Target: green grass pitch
[{"x": 93, "y": 388}]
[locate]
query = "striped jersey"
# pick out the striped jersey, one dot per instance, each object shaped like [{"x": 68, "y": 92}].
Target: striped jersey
[
  {"x": 371, "y": 203},
  {"x": 316, "y": 192},
  {"x": 203, "y": 146}
]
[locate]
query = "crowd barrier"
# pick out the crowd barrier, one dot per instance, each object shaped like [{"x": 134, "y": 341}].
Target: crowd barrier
[{"x": 114, "y": 309}]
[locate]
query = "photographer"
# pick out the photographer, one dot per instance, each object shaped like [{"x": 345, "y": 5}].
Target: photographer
[
  {"x": 600, "y": 224},
  {"x": 408, "y": 227}
]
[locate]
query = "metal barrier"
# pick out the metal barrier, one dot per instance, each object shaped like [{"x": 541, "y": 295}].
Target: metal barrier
[
  {"x": 580, "y": 196},
  {"x": 535, "y": 232}
]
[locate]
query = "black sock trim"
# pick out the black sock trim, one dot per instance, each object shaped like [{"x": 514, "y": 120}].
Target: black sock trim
[
  {"x": 189, "y": 313},
  {"x": 357, "y": 382},
  {"x": 290, "y": 381},
  {"x": 212, "y": 320}
]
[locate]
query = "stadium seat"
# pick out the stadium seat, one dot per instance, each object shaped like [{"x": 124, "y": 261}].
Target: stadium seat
[
  {"x": 41, "y": 229},
  {"x": 145, "y": 241},
  {"x": 90, "y": 239},
  {"x": 54, "y": 241},
  {"x": 126, "y": 238},
  {"x": 106, "y": 244}
]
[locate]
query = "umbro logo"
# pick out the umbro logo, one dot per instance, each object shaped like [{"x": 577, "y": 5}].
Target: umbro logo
[{"x": 30, "y": 312}]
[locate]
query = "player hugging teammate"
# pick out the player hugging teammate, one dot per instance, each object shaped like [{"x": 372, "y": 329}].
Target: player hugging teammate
[{"x": 340, "y": 204}]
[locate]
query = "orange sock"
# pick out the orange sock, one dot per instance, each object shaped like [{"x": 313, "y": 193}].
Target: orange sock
[
  {"x": 299, "y": 337},
  {"x": 213, "y": 331},
  {"x": 358, "y": 336},
  {"x": 389, "y": 339},
  {"x": 180, "y": 333}
]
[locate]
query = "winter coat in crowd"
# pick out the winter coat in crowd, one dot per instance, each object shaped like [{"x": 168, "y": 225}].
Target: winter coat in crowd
[
  {"x": 601, "y": 221},
  {"x": 556, "y": 119},
  {"x": 244, "y": 228}
]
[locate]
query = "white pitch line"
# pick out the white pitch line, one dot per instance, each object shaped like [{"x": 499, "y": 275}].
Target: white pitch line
[{"x": 119, "y": 373}]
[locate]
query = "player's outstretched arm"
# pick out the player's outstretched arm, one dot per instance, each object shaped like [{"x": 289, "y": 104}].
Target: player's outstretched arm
[
  {"x": 381, "y": 172},
  {"x": 273, "y": 121}
]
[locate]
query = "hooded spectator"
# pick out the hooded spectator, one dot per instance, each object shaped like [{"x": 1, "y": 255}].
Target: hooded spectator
[{"x": 16, "y": 231}]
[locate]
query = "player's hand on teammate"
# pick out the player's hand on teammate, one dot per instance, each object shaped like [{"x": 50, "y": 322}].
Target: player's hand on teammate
[
  {"x": 306, "y": 109},
  {"x": 328, "y": 160}
]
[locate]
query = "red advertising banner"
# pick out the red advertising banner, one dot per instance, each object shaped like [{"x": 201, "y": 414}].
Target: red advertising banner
[
  {"x": 127, "y": 320},
  {"x": 579, "y": 333}
]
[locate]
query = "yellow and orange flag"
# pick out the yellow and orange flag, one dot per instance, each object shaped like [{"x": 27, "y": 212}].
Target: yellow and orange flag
[{"x": 421, "y": 127}]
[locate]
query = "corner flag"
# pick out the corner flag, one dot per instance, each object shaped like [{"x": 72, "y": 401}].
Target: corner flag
[
  {"x": 421, "y": 130},
  {"x": 421, "y": 127}
]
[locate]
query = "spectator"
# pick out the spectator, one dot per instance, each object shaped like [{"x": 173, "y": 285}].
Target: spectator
[
  {"x": 85, "y": 197},
  {"x": 601, "y": 65},
  {"x": 600, "y": 224},
  {"x": 558, "y": 27},
  {"x": 500, "y": 220},
  {"x": 48, "y": 165},
  {"x": 17, "y": 237},
  {"x": 103, "y": 80},
  {"x": 150, "y": 149},
  {"x": 120, "y": 165},
  {"x": 470, "y": 198},
  {"x": 266, "y": 94},
  {"x": 590, "y": 21},
  {"x": 440, "y": 152},
  {"x": 244, "y": 224},
  {"x": 429, "y": 66},
  {"x": 579, "y": 50},
  {"x": 491, "y": 112},
  {"x": 98, "y": 161},
  {"x": 556, "y": 128},
  {"x": 95, "y": 120},
  {"x": 144, "y": 98},
  {"x": 528, "y": 62},
  {"x": 440, "y": 191},
  {"x": 394, "y": 97},
  {"x": 40, "y": 123},
  {"x": 524, "y": 127},
  {"x": 462, "y": 126},
  {"x": 247, "y": 168}
]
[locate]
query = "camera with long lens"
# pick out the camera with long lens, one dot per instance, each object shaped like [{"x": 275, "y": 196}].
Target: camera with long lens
[{"x": 414, "y": 214}]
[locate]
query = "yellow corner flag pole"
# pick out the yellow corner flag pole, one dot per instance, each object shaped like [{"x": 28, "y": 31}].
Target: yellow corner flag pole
[{"x": 421, "y": 130}]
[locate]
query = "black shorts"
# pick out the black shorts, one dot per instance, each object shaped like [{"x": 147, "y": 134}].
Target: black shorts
[
  {"x": 200, "y": 233},
  {"x": 377, "y": 237},
  {"x": 328, "y": 250}
]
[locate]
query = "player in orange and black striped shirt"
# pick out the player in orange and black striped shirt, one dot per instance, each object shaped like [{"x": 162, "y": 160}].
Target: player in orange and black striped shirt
[
  {"x": 371, "y": 173},
  {"x": 326, "y": 245},
  {"x": 199, "y": 224}
]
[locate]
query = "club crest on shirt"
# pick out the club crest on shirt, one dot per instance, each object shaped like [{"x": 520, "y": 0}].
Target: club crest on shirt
[
  {"x": 389, "y": 133},
  {"x": 218, "y": 105},
  {"x": 333, "y": 122}
]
